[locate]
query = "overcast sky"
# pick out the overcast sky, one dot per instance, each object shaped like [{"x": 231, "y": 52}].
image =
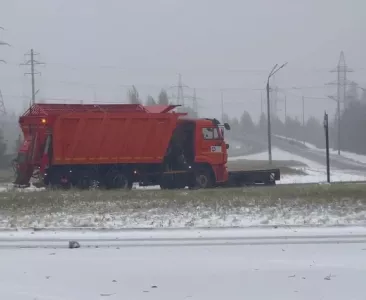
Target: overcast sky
[{"x": 95, "y": 49}]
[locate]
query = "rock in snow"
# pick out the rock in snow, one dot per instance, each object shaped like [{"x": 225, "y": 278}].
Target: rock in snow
[{"x": 74, "y": 244}]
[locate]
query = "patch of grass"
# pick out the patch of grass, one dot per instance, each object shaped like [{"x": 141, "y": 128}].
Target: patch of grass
[{"x": 118, "y": 201}]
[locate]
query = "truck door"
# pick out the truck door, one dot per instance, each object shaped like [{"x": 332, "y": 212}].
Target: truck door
[{"x": 212, "y": 145}]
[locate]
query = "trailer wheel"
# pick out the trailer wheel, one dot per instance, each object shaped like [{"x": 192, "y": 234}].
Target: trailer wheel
[
  {"x": 121, "y": 181},
  {"x": 203, "y": 180}
]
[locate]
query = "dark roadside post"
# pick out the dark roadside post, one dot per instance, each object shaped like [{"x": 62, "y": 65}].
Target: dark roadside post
[{"x": 326, "y": 128}]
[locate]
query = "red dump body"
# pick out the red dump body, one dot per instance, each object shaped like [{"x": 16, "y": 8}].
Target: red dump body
[
  {"x": 86, "y": 134},
  {"x": 109, "y": 138}
]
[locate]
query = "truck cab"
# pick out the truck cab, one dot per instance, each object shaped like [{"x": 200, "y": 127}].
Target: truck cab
[
  {"x": 198, "y": 146},
  {"x": 211, "y": 149}
]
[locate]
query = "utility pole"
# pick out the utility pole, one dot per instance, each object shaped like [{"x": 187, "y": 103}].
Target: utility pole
[
  {"x": 32, "y": 62},
  {"x": 2, "y": 103},
  {"x": 273, "y": 71},
  {"x": 222, "y": 106},
  {"x": 194, "y": 99},
  {"x": 303, "y": 118},
  {"x": 180, "y": 90},
  {"x": 326, "y": 128},
  {"x": 195, "y": 106},
  {"x": 303, "y": 111},
  {"x": 341, "y": 83},
  {"x": 179, "y": 87},
  {"x": 285, "y": 116},
  {"x": 261, "y": 103},
  {"x": 285, "y": 109}
]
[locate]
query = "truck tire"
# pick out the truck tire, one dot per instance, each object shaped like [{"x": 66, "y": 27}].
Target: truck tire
[
  {"x": 119, "y": 180},
  {"x": 84, "y": 183},
  {"x": 203, "y": 180}
]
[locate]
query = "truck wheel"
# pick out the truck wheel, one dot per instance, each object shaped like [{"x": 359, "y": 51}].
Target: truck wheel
[
  {"x": 84, "y": 183},
  {"x": 203, "y": 180},
  {"x": 270, "y": 183},
  {"x": 121, "y": 181}
]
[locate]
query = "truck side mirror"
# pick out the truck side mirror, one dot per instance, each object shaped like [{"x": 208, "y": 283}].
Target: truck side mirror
[
  {"x": 227, "y": 126},
  {"x": 227, "y": 146}
]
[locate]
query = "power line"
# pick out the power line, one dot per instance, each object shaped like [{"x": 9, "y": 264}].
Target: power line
[
  {"x": 180, "y": 90},
  {"x": 2, "y": 104},
  {"x": 32, "y": 62},
  {"x": 195, "y": 69},
  {"x": 341, "y": 83}
]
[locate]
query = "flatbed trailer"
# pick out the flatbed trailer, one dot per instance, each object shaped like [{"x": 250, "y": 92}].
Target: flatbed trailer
[
  {"x": 253, "y": 177},
  {"x": 114, "y": 146}
]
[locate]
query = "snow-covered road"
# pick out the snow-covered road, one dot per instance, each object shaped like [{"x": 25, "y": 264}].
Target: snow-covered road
[{"x": 281, "y": 263}]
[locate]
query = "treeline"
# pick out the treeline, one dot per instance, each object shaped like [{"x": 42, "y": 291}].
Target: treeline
[
  {"x": 162, "y": 99},
  {"x": 312, "y": 132},
  {"x": 353, "y": 122},
  {"x": 10, "y": 139},
  {"x": 352, "y": 126}
]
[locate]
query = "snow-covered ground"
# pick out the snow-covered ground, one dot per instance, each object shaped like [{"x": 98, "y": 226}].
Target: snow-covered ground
[
  {"x": 316, "y": 173},
  {"x": 229, "y": 264},
  {"x": 352, "y": 156},
  {"x": 228, "y": 212},
  {"x": 233, "y": 210}
]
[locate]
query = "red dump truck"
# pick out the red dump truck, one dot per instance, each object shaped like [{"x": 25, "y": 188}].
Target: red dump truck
[{"x": 115, "y": 146}]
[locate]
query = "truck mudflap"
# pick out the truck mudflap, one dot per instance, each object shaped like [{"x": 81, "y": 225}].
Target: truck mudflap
[{"x": 253, "y": 177}]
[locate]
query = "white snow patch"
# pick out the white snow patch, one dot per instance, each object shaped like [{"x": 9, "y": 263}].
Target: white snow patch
[
  {"x": 276, "y": 271},
  {"x": 315, "y": 173},
  {"x": 352, "y": 156},
  {"x": 10, "y": 187}
]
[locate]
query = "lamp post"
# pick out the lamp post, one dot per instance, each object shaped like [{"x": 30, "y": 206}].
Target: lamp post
[{"x": 274, "y": 70}]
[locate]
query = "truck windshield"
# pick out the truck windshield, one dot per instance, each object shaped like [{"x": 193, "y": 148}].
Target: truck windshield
[{"x": 211, "y": 133}]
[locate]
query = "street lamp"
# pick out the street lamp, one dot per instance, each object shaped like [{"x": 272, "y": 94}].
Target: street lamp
[{"x": 274, "y": 71}]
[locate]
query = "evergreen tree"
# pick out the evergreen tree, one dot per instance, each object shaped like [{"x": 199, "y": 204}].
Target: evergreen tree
[
  {"x": 190, "y": 112},
  {"x": 314, "y": 132},
  {"x": 163, "y": 98},
  {"x": 363, "y": 97},
  {"x": 262, "y": 124},
  {"x": 2, "y": 147},
  {"x": 352, "y": 94},
  {"x": 133, "y": 96},
  {"x": 150, "y": 100},
  {"x": 246, "y": 123},
  {"x": 226, "y": 118},
  {"x": 278, "y": 126}
]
